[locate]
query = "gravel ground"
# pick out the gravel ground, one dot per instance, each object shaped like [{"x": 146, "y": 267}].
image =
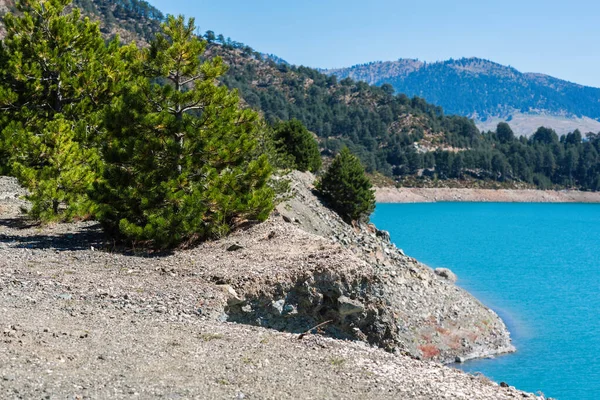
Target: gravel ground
[
  {"x": 82, "y": 319},
  {"x": 66, "y": 351}
]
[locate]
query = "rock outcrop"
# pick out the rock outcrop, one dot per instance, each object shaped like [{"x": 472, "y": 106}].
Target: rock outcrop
[{"x": 366, "y": 288}]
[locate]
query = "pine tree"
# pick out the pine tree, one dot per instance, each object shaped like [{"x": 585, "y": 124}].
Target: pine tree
[
  {"x": 181, "y": 164},
  {"x": 292, "y": 138},
  {"x": 505, "y": 133},
  {"x": 346, "y": 188},
  {"x": 57, "y": 74}
]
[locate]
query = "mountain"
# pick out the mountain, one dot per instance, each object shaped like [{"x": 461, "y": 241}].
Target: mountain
[{"x": 488, "y": 92}]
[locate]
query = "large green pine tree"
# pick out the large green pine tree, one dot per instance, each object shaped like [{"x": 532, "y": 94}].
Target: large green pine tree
[
  {"x": 57, "y": 73},
  {"x": 181, "y": 164},
  {"x": 346, "y": 188}
]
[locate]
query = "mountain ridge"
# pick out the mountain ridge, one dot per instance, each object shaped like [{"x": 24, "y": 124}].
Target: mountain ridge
[{"x": 481, "y": 89}]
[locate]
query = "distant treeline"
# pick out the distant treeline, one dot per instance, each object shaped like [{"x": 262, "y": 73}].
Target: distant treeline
[{"x": 544, "y": 160}]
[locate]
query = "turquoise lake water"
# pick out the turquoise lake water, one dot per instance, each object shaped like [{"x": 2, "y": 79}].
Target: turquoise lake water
[{"x": 536, "y": 265}]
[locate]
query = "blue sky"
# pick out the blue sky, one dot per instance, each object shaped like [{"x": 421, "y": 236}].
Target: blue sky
[{"x": 559, "y": 38}]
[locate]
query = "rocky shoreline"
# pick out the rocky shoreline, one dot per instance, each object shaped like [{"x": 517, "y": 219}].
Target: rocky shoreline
[
  {"x": 432, "y": 195},
  {"x": 81, "y": 318}
]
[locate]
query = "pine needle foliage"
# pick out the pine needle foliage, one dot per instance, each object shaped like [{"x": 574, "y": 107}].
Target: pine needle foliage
[
  {"x": 57, "y": 73},
  {"x": 181, "y": 164},
  {"x": 346, "y": 188},
  {"x": 292, "y": 138}
]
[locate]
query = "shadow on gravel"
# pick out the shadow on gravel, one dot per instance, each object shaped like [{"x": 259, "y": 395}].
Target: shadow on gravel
[
  {"x": 85, "y": 238},
  {"x": 18, "y": 223}
]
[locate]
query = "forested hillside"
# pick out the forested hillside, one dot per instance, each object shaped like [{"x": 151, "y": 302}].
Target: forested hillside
[
  {"x": 480, "y": 88},
  {"x": 372, "y": 121},
  {"x": 135, "y": 20}
]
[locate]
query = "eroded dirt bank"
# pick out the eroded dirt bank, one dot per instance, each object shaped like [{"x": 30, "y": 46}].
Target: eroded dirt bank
[
  {"x": 82, "y": 319},
  {"x": 431, "y": 195}
]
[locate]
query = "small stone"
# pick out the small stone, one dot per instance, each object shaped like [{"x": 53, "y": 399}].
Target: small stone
[
  {"x": 223, "y": 317},
  {"x": 232, "y": 297},
  {"x": 384, "y": 235},
  {"x": 446, "y": 274},
  {"x": 277, "y": 306},
  {"x": 247, "y": 308},
  {"x": 347, "y": 306},
  {"x": 290, "y": 309},
  {"x": 235, "y": 247}
]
